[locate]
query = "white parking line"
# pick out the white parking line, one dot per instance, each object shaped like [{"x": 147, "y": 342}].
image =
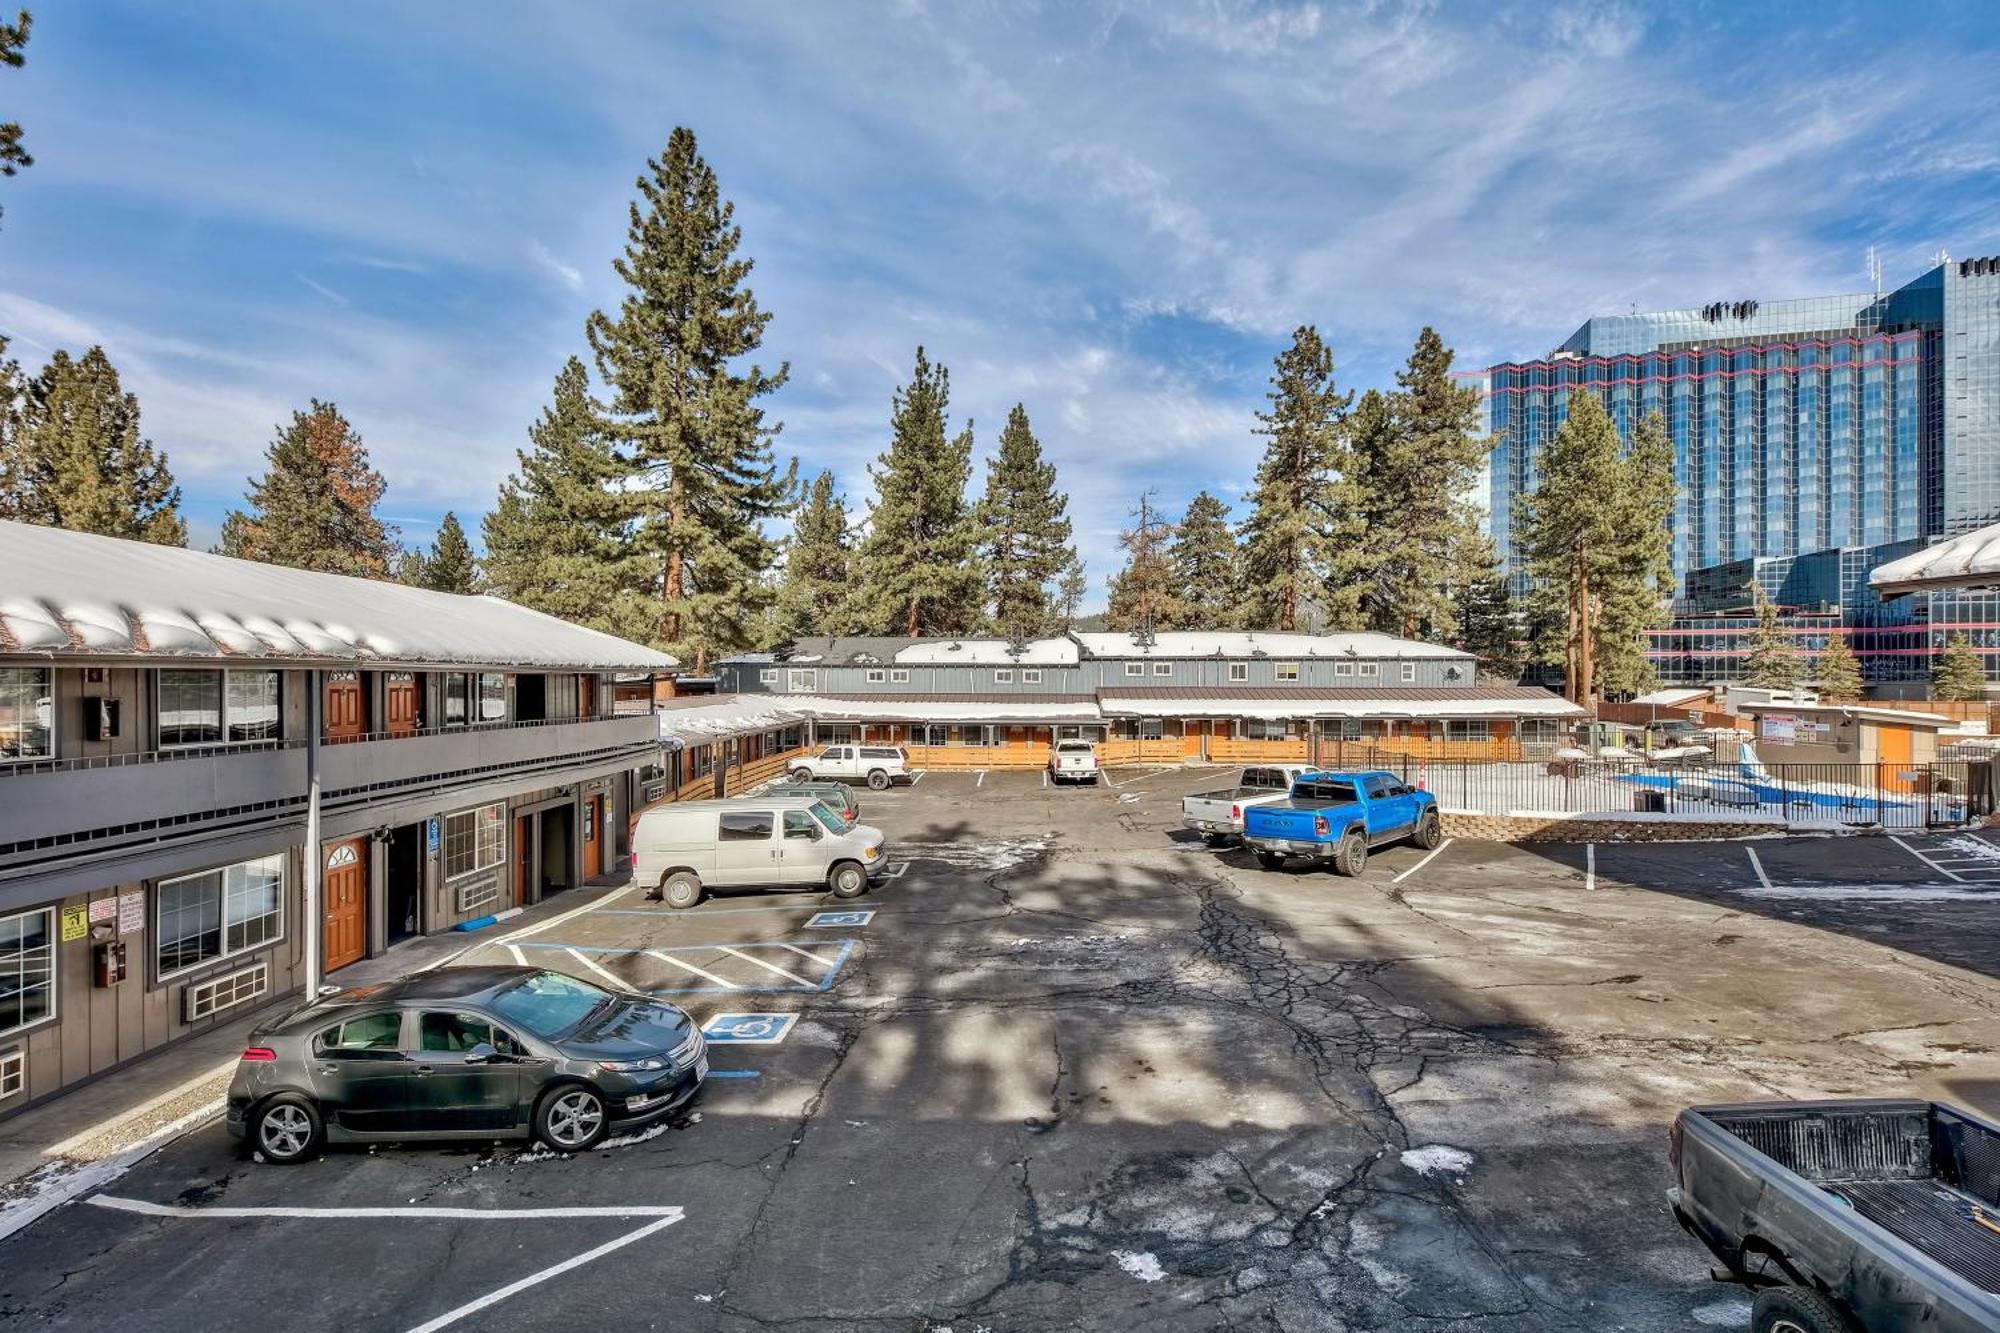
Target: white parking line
[
  {"x": 671, "y": 1212},
  {"x": 553, "y": 1270},
  {"x": 980, "y": 781},
  {"x": 1758, "y": 866},
  {"x": 707, "y": 976},
  {"x": 803, "y": 953},
  {"x": 519, "y": 957},
  {"x": 1045, "y": 777},
  {"x": 1927, "y": 860},
  {"x": 1421, "y": 864},
  {"x": 768, "y": 967},
  {"x": 1590, "y": 865},
  {"x": 606, "y": 973}
]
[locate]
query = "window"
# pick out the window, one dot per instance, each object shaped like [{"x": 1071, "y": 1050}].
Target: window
[
  {"x": 1163, "y": 668},
  {"x": 1343, "y": 668},
  {"x": 27, "y": 968},
  {"x": 1338, "y": 793},
  {"x": 370, "y": 1032},
  {"x": 548, "y": 1004},
  {"x": 975, "y": 735},
  {"x": 744, "y": 826},
  {"x": 899, "y": 676},
  {"x": 1378, "y": 785},
  {"x": 799, "y": 824},
  {"x": 1345, "y": 728},
  {"x": 1143, "y": 729},
  {"x": 1003, "y": 676},
  {"x": 218, "y": 913},
  {"x": 768, "y": 676},
  {"x": 877, "y": 677},
  {"x": 1466, "y": 729},
  {"x": 932, "y": 734},
  {"x": 457, "y": 698},
  {"x": 802, "y": 680},
  {"x": 1266, "y": 729},
  {"x": 1267, "y": 779},
  {"x": 1239, "y": 672},
  {"x": 461, "y": 1032},
  {"x": 1135, "y": 668},
  {"x": 27, "y": 713},
  {"x": 1286, "y": 670},
  {"x": 1031, "y": 675},
  {"x": 1540, "y": 731},
  {"x": 475, "y": 840},
  {"x": 1373, "y": 669},
  {"x": 213, "y": 707},
  {"x": 13, "y": 1072},
  {"x": 1409, "y": 672},
  {"x": 492, "y": 697}
]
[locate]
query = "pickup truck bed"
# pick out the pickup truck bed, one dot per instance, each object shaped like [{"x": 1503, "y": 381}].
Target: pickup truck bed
[{"x": 1890, "y": 1207}]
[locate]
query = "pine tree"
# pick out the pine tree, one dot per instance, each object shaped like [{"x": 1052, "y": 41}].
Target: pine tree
[
  {"x": 1025, "y": 532},
  {"x": 1203, "y": 558},
  {"x": 685, "y": 418},
  {"x": 1143, "y": 596},
  {"x": 1483, "y": 609},
  {"x": 1960, "y": 673},
  {"x": 917, "y": 570},
  {"x": 816, "y": 566},
  {"x": 1302, "y": 558},
  {"x": 314, "y": 507},
  {"x": 1773, "y": 662},
  {"x": 558, "y": 539},
  {"x": 13, "y": 37},
  {"x": 411, "y": 569},
  {"x": 1839, "y": 671},
  {"x": 1418, "y": 453},
  {"x": 451, "y": 566},
  {"x": 71, "y": 455},
  {"x": 1070, "y": 590},
  {"x": 1639, "y": 586},
  {"x": 1568, "y": 528}
]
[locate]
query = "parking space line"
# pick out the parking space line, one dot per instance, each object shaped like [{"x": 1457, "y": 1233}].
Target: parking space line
[
  {"x": 980, "y": 781},
  {"x": 1421, "y": 864},
  {"x": 519, "y": 1285},
  {"x": 520, "y": 958},
  {"x": 768, "y": 967},
  {"x": 669, "y": 1212},
  {"x": 604, "y": 972},
  {"x": 1757, "y": 865},
  {"x": 802, "y": 953},
  {"x": 710, "y": 976},
  {"x": 1590, "y": 865},
  {"x": 1929, "y": 861}
]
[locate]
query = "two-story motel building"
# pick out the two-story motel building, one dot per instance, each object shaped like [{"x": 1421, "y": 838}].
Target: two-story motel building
[{"x": 159, "y": 711}]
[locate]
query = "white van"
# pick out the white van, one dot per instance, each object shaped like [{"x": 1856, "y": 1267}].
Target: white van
[{"x": 678, "y": 851}]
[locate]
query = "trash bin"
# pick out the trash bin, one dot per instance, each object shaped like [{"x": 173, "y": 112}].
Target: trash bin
[{"x": 1650, "y": 801}]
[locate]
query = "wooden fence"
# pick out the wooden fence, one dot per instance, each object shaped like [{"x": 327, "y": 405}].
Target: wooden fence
[{"x": 963, "y": 758}]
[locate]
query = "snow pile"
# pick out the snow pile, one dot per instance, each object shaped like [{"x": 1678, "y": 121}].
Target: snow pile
[
  {"x": 1438, "y": 1159},
  {"x": 1140, "y": 1264}
]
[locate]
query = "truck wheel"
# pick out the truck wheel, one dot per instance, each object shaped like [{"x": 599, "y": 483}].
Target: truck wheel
[
  {"x": 802, "y": 774},
  {"x": 1797, "y": 1310},
  {"x": 1430, "y": 831},
  {"x": 1353, "y": 855},
  {"x": 877, "y": 779},
  {"x": 847, "y": 880},
  {"x": 682, "y": 889},
  {"x": 1270, "y": 860}
]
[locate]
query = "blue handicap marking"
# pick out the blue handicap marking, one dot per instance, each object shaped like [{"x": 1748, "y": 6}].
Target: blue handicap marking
[
  {"x": 748, "y": 1029},
  {"x": 828, "y": 920}
]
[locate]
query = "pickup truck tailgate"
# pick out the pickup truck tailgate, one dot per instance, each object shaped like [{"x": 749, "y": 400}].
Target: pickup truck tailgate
[{"x": 1278, "y": 821}]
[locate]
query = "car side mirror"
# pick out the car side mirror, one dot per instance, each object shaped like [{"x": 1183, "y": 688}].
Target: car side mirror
[
  {"x": 817, "y": 833},
  {"x": 482, "y": 1053}
]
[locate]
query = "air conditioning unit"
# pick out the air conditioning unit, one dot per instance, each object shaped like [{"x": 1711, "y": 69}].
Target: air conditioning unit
[{"x": 202, "y": 999}]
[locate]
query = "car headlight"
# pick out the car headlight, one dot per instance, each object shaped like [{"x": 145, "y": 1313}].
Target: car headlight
[
  {"x": 870, "y": 853},
  {"x": 633, "y": 1066}
]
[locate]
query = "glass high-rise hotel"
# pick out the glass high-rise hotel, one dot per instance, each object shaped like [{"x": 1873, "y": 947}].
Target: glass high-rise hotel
[{"x": 1846, "y": 429}]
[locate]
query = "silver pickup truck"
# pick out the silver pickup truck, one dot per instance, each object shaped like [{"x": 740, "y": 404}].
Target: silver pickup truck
[
  {"x": 1847, "y": 1215},
  {"x": 1218, "y": 815}
]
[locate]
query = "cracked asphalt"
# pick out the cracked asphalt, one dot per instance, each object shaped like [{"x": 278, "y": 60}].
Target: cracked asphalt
[{"x": 1082, "y": 1072}]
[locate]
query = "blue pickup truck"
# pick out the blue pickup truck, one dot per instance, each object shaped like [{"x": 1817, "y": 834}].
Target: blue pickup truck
[{"x": 1339, "y": 817}]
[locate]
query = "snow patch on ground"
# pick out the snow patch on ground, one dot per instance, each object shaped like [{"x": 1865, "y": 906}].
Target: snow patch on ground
[
  {"x": 1140, "y": 1264},
  {"x": 1906, "y": 893},
  {"x": 1967, "y": 845},
  {"x": 1438, "y": 1158},
  {"x": 626, "y": 1140},
  {"x": 1722, "y": 1314}
]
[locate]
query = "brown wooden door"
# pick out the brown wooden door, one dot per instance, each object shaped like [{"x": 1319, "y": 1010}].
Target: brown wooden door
[
  {"x": 344, "y": 713},
  {"x": 345, "y": 893},
  {"x": 586, "y": 696},
  {"x": 400, "y": 702},
  {"x": 521, "y": 840},
  {"x": 593, "y": 837}
]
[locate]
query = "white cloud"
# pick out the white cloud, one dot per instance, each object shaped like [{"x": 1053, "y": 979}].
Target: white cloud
[{"x": 568, "y": 274}]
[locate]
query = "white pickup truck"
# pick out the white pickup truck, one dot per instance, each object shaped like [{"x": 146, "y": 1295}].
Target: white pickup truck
[
  {"x": 877, "y": 765},
  {"x": 1073, "y": 761},
  {"x": 1218, "y": 815}
]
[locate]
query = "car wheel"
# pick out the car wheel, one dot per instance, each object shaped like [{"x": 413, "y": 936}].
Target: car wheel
[
  {"x": 802, "y": 775},
  {"x": 1270, "y": 860},
  {"x": 1430, "y": 831},
  {"x": 287, "y": 1129},
  {"x": 847, "y": 880},
  {"x": 877, "y": 780},
  {"x": 682, "y": 889},
  {"x": 571, "y": 1118},
  {"x": 1353, "y": 854},
  {"x": 1797, "y": 1310}
]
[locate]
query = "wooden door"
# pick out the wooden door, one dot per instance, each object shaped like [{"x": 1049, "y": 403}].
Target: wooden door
[
  {"x": 344, "y": 891},
  {"x": 344, "y": 713},
  {"x": 400, "y": 702},
  {"x": 593, "y": 837},
  {"x": 523, "y": 836},
  {"x": 586, "y": 696}
]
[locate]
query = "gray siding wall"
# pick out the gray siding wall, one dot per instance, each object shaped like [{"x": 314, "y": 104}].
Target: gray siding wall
[{"x": 1090, "y": 675}]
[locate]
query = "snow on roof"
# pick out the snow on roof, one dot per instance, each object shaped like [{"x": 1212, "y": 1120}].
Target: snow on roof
[
  {"x": 1272, "y": 707},
  {"x": 988, "y": 652},
  {"x": 932, "y": 709},
  {"x": 1969, "y": 560},
  {"x": 1671, "y": 698},
  {"x": 726, "y": 715},
  {"x": 1904, "y": 715},
  {"x": 76, "y": 594},
  {"x": 1215, "y": 643}
]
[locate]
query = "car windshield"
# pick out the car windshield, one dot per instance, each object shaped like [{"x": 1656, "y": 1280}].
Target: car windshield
[
  {"x": 1072, "y": 745},
  {"x": 548, "y": 1003},
  {"x": 835, "y": 821}
]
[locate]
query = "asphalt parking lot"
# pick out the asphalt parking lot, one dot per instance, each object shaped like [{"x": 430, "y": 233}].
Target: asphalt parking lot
[{"x": 1076, "y": 1070}]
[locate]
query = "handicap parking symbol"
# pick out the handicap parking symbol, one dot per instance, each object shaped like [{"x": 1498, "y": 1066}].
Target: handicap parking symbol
[
  {"x": 748, "y": 1029},
  {"x": 827, "y": 920}
]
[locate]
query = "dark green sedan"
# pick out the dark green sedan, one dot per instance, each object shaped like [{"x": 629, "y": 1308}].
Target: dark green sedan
[{"x": 463, "y": 1053}]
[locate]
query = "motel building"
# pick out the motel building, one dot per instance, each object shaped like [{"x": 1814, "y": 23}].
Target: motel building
[
  {"x": 161, "y": 711},
  {"x": 1174, "y": 697}
]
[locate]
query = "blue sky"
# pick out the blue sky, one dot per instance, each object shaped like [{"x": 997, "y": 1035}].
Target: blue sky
[{"x": 1114, "y": 213}]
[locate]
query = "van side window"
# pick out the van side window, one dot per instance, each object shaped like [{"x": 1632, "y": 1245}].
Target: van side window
[
  {"x": 744, "y": 826},
  {"x": 798, "y": 824}
]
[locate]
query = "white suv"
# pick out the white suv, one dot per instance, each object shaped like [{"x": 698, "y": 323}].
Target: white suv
[
  {"x": 878, "y": 765},
  {"x": 1073, "y": 761}
]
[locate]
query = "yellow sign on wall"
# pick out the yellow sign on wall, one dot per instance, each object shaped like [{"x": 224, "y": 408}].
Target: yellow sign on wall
[{"x": 75, "y": 922}]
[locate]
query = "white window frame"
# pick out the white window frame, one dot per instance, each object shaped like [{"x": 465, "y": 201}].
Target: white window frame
[
  {"x": 768, "y": 676},
  {"x": 1135, "y": 668},
  {"x": 159, "y": 901},
  {"x": 1163, "y": 668},
  {"x": 801, "y": 678},
  {"x": 55, "y": 961},
  {"x": 1343, "y": 668},
  {"x": 1239, "y": 672},
  {"x": 1003, "y": 675},
  {"x": 1285, "y": 671},
  {"x": 1409, "y": 672},
  {"x": 1031, "y": 675},
  {"x": 1465, "y": 725},
  {"x": 899, "y": 676},
  {"x": 1265, "y": 729},
  {"x": 222, "y": 713},
  {"x": 48, "y": 691},
  {"x": 877, "y": 676},
  {"x": 1370, "y": 669},
  {"x": 500, "y": 857}
]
